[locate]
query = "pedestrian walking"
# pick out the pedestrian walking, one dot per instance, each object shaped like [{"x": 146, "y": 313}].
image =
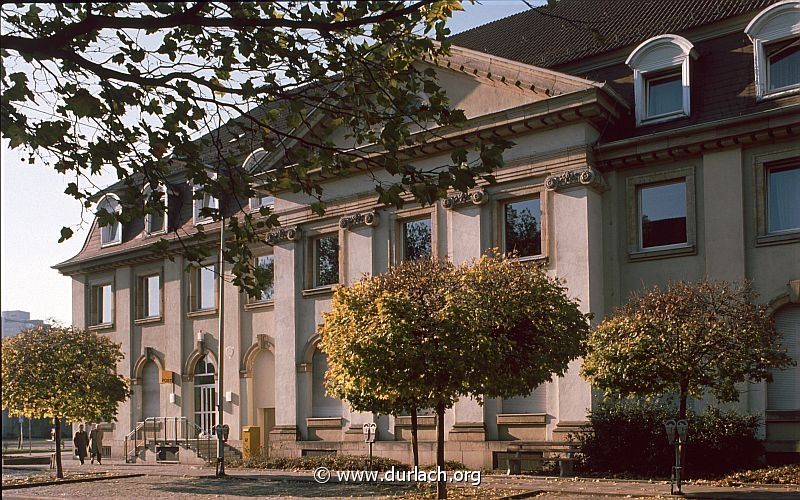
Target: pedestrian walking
[
  {"x": 96, "y": 444},
  {"x": 81, "y": 442}
]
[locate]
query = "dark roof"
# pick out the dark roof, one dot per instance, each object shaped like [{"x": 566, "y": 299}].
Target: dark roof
[{"x": 575, "y": 29}]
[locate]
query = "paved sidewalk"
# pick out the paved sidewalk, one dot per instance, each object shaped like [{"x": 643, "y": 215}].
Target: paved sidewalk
[{"x": 184, "y": 481}]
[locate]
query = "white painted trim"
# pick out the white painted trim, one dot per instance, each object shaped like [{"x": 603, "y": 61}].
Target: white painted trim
[
  {"x": 645, "y": 60},
  {"x": 775, "y": 23}
]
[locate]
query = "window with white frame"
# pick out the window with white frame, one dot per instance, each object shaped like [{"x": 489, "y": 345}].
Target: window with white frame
[
  {"x": 661, "y": 78},
  {"x": 203, "y": 288},
  {"x": 775, "y": 33},
  {"x": 149, "y": 297},
  {"x": 155, "y": 219},
  {"x": 262, "y": 201},
  {"x": 783, "y": 197},
  {"x": 111, "y": 232},
  {"x": 101, "y": 305},
  {"x": 201, "y": 205},
  {"x": 662, "y": 214}
]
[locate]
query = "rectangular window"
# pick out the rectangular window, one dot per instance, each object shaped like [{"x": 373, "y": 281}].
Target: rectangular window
[
  {"x": 662, "y": 214},
  {"x": 265, "y": 265},
  {"x": 417, "y": 239},
  {"x": 150, "y": 296},
  {"x": 203, "y": 288},
  {"x": 783, "y": 64},
  {"x": 522, "y": 228},
  {"x": 200, "y": 205},
  {"x": 326, "y": 260},
  {"x": 783, "y": 198},
  {"x": 664, "y": 94},
  {"x": 102, "y": 305}
]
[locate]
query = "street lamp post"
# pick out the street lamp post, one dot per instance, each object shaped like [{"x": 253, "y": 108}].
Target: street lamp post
[{"x": 221, "y": 353}]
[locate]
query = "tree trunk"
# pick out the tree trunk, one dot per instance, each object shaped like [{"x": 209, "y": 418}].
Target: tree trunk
[
  {"x": 59, "y": 469},
  {"x": 414, "y": 439},
  {"x": 441, "y": 485},
  {"x": 19, "y": 443},
  {"x": 682, "y": 407}
]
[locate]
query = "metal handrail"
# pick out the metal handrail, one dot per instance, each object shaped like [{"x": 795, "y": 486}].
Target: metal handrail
[{"x": 183, "y": 430}]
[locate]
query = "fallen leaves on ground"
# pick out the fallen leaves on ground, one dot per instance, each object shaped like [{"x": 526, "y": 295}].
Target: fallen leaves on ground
[
  {"x": 51, "y": 476},
  {"x": 787, "y": 474}
]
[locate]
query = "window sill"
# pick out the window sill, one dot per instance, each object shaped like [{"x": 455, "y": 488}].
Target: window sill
[
  {"x": 777, "y": 94},
  {"x": 148, "y": 321},
  {"x": 110, "y": 244},
  {"x": 202, "y": 313},
  {"x": 154, "y": 234},
  {"x": 320, "y": 290},
  {"x": 778, "y": 238},
  {"x": 521, "y": 419},
  {"x": 662, "y": 119},
  {"x": 534, "y": 259},
  {"x": 262, "y": 304},
  {"x": 325, "y": 422},
  {"x": 664, "y": 253},
  {"x": 422, "y": 421},
  {"x": 101, "y": 326}
]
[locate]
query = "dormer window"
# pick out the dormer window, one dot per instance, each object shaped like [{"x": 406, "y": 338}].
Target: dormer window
[
  {"x": 661, "y": 78},
  {"x": 775, "y": 33},
  {"x": 206, "y": 202},
  {"x": 155, "y": 222},
  {"x": 111, "y": 233},
  {"x": 262, "y": 201}
]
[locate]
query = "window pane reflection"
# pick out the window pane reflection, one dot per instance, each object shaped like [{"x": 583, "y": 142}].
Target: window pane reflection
[{"x": 662, "y": 211}]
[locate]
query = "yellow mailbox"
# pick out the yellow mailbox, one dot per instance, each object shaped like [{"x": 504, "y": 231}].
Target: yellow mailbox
[{"x": 251, "y": 441}]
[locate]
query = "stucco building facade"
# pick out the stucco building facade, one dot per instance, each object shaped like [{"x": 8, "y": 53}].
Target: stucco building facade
[{"x": 664, "y": 152}]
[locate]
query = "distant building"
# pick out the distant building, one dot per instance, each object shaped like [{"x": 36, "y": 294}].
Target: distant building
[
  {"x": 16, "y": 321},
  {"x": 13, "y": 323}
]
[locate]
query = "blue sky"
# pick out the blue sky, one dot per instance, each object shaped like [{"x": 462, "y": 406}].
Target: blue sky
[{"x": 34, "y": 208}]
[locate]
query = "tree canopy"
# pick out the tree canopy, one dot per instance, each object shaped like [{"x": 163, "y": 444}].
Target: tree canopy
[
  {"x": 685, "y": 340},
  {"x": 63, "y": 373},
  {"x": 150, "y": 89},
  {"x": 426, "y": 332}
]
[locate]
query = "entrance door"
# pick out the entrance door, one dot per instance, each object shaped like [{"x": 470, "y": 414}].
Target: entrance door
[{"x": 205, "y": 415}]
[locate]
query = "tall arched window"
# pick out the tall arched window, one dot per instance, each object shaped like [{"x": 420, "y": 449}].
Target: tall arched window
[
  {"x": 205, "y": 415},
  {"x": 783, "y": 393},
  {"x": 155, "y": 222},
  {"x": 151, "y": 391},
  {"x": 110, "y": 233},
  {"x": 322, "y": 405}
]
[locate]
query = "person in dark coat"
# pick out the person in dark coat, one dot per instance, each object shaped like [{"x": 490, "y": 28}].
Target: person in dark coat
[
  {"x": 96, "y": 444},
  {"x": 81, "y": 442}
]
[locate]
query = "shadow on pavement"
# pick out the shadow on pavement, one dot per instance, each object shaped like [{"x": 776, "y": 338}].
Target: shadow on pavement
[
  {"x": 748, "y": 494},
  {"x": 257, "y": 487}
]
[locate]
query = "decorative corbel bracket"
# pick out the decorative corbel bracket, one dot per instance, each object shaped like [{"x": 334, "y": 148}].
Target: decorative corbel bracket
[
  {"x": 585, "y": 176},
  {"x": 371, "y": 219},
  {"x": 282, "y": 234},
  {"x": 476, "y": 197}
]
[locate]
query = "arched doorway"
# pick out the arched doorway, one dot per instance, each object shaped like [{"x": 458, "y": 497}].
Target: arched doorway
[
  {"x": 205, "y": 415},
  {"x": 263, "y": 388},
  {"x": 783, "y": 393},
  {"x": 151, "y": 391}
]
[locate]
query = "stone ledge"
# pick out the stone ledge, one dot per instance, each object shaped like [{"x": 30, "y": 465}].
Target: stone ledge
[
  {"x": 422, "y": 421},
  {"x": 325, "y": 422},
  {"x": 521, "y": 418}
]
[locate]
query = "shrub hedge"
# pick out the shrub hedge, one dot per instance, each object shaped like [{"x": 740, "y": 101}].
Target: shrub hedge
[
  {"x": 628, "y": 437},
  {"x": 332, "y": 462}
]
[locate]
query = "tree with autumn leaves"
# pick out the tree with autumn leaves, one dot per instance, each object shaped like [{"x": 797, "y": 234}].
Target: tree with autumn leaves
[
  {"x": 427, "y": 333},
  {"x": 686, "y": 339},
  {"x": 62, "y": 373}
]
